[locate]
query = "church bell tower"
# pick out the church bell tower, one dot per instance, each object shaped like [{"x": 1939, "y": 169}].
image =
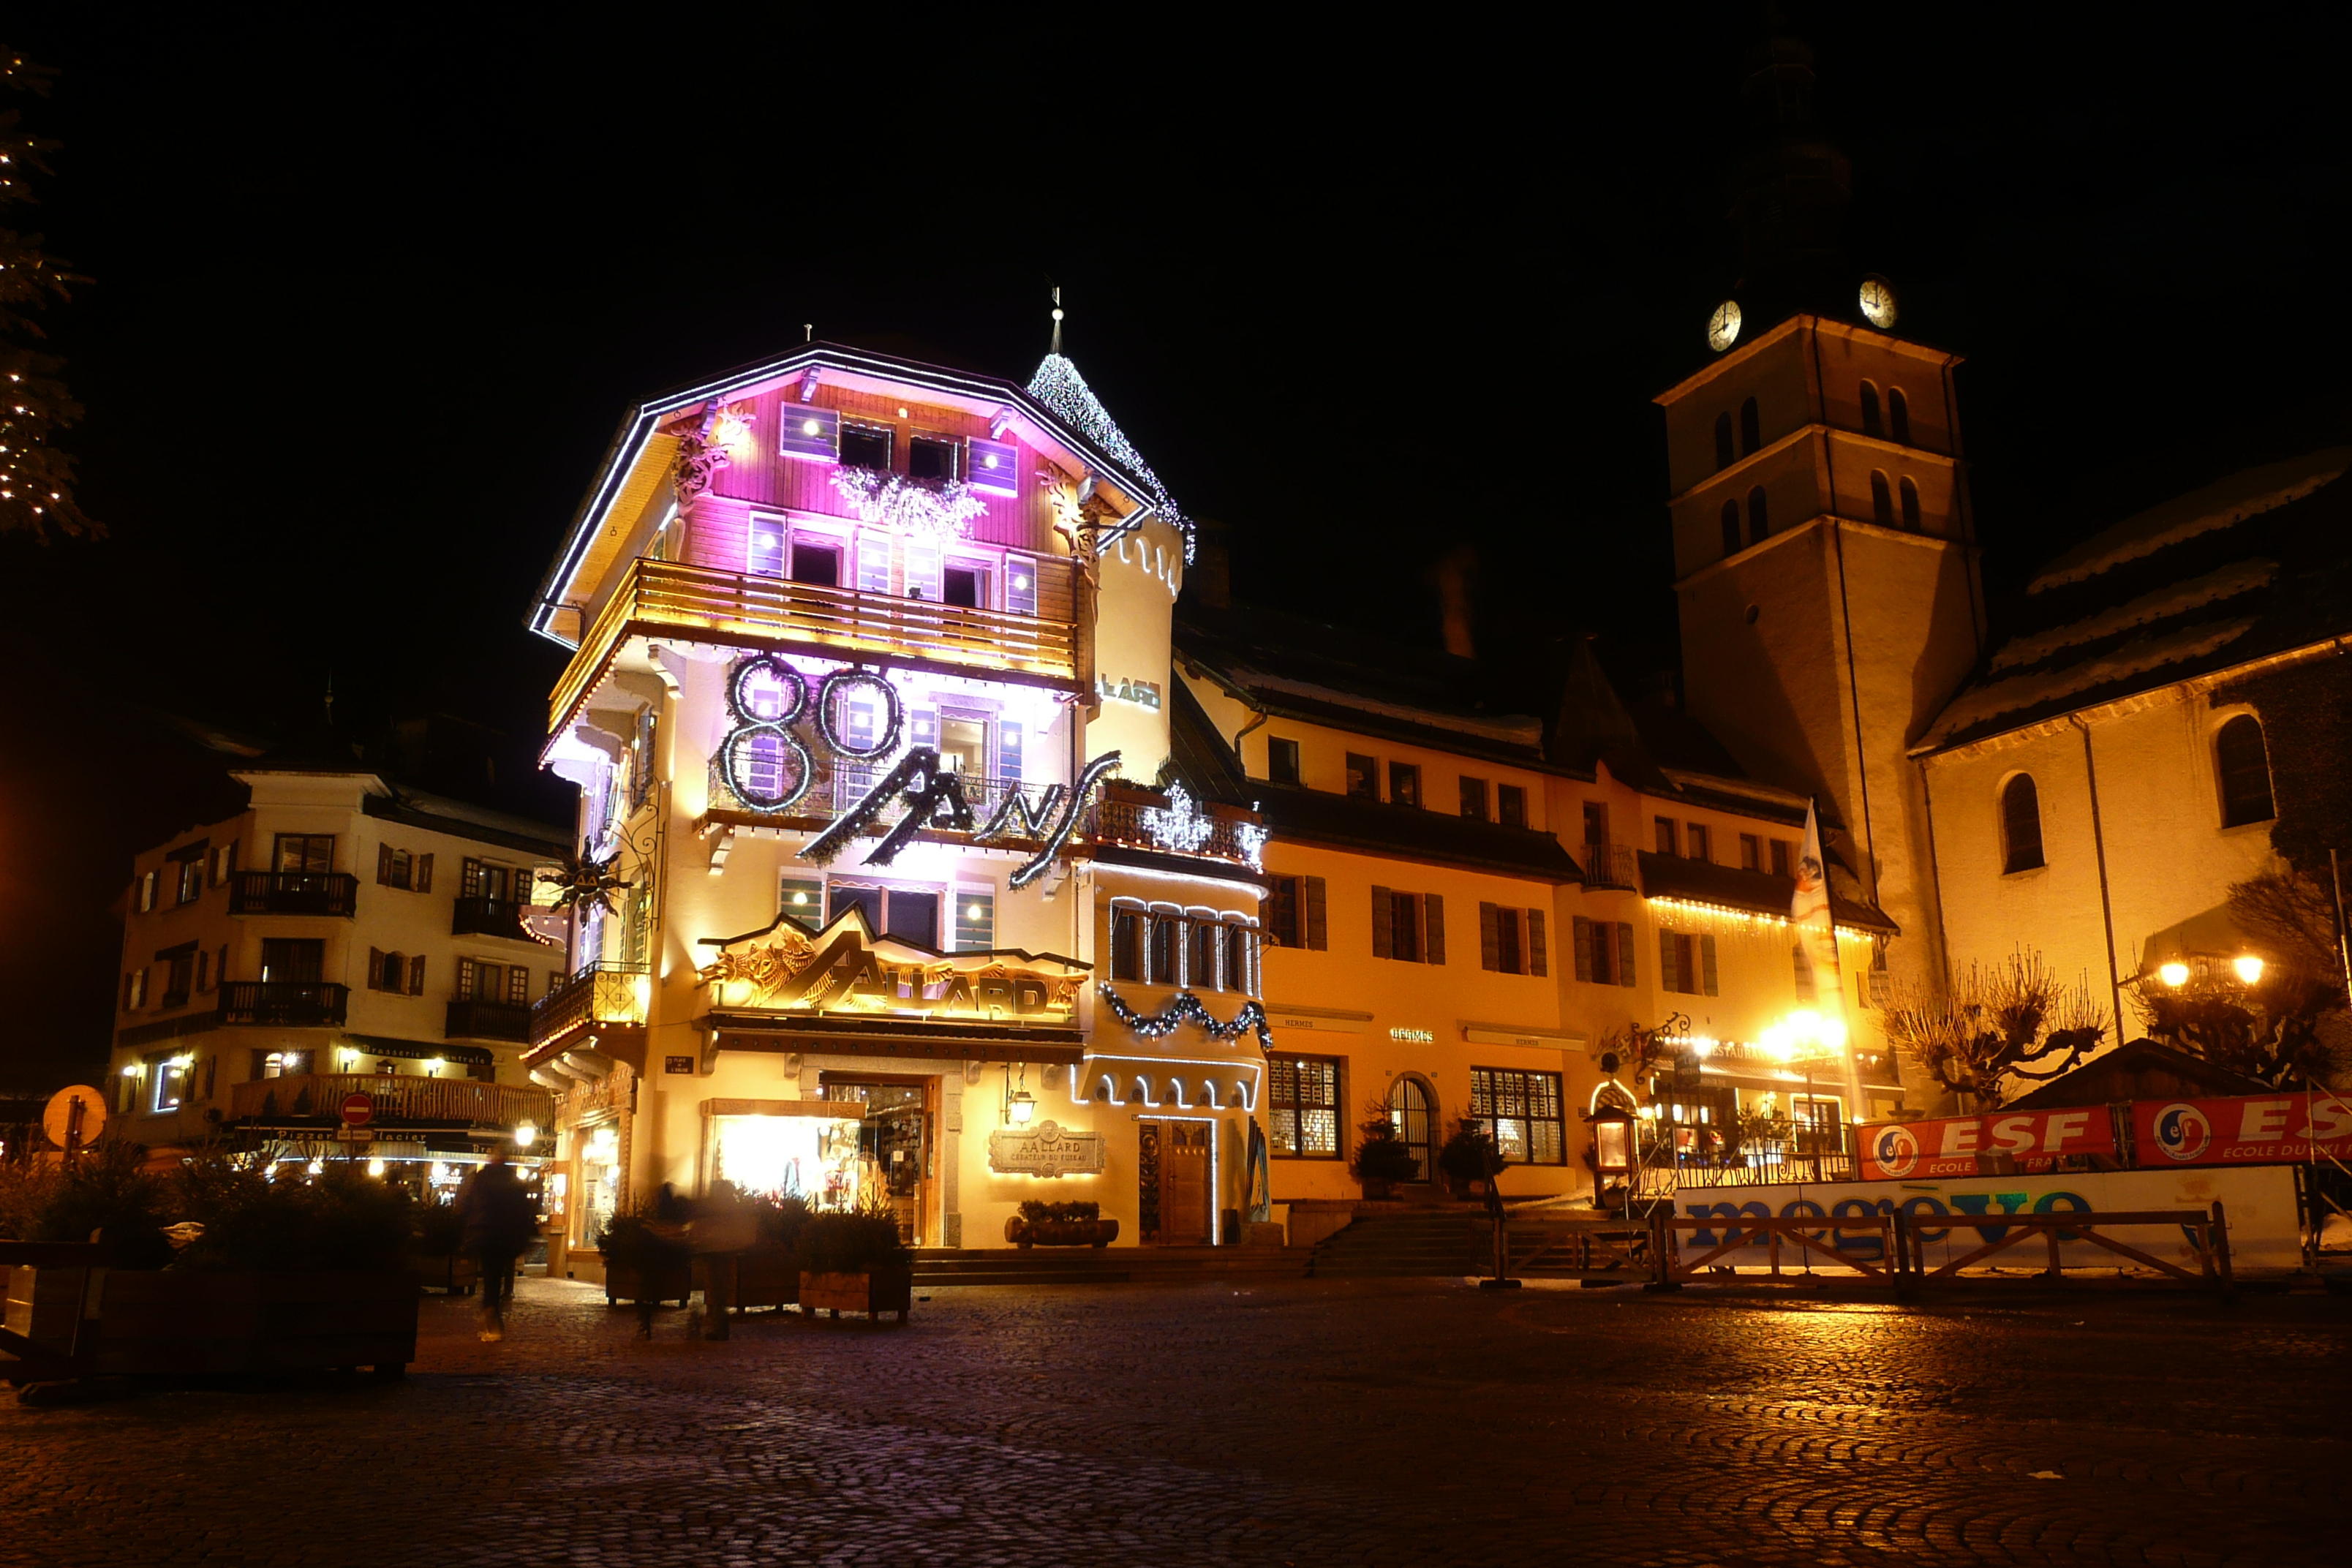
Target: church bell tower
[{"x": 1825, "y": 562}]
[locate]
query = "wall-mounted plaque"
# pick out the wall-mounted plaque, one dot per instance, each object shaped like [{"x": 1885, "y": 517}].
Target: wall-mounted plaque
[{"x": 1048, "y": 1149}]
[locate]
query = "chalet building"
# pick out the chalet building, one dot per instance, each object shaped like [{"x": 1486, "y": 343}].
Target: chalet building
[
  {"x": 342, "y": 935},
  {"x": 936, "y": 859}
]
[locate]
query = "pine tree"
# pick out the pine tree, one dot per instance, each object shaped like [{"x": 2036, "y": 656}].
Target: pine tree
[{"x": 36, "y": 480}]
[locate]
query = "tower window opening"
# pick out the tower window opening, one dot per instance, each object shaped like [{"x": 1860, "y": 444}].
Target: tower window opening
[
  {"x": 1751, "y": 428},
  {"x": 1882, "y": 499},
  {"x": 1910, "y": 506},
  {"x": 1723, "y": 452},
  {"x": 2021, "y": 824},
  {"x": 1758, "y": 524},
  {"x": 1898, "y": 416},
  {"x": 1872, "y": 424},
  {"x": 1732, "y": 540},
  {"x": 2244, "y": 762}
]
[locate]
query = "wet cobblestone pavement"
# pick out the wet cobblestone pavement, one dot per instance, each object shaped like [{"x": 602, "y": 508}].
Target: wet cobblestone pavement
[{"x": 1403, "y": 1422}]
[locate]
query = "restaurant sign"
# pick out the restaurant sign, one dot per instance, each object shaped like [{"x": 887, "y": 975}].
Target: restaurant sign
[
  {"x": 1048, "y": 1149},
  {"x": 847, "y": 969}
]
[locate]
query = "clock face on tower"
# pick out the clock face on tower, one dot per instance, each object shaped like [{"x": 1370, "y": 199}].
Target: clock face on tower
[
  {"x": 1723, "y": 327},
  {"x": 1878, "y": 302}
]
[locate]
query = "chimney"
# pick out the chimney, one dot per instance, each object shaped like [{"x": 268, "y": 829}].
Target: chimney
[
  {"x": 1209, "y": 580},
  {"x": 1455, "y": 572}
]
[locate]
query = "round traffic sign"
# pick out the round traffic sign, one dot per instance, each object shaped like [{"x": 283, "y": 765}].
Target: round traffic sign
[
  {"x": 58, "y": 1119},
  {"x": 358, "y": 1108}
]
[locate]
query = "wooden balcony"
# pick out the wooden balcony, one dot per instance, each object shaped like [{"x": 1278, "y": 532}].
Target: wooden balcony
[
  {"x": 294, "y": 893},
  {"x": 473, "y": 1018},
  {"x": 662, "y": 598},
  {"x": 286, "y": 1004},
  {"x": 489, "y": 917},
  {"x": 398, "y": 1099},
  {"x": 603, "y": 993},
  {"x": 1607, "y": 865}
]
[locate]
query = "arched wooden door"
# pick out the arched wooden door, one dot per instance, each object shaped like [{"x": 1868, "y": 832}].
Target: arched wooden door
[{"x": 1410, "y": 1113}]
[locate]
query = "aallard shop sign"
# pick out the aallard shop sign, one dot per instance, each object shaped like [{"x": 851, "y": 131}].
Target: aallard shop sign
[
  {"x": 1048, "y": 1149},
  {"x": 846, "y": 970}
]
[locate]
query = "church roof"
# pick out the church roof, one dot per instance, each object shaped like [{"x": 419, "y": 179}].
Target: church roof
[{"x": 2257, "y": 564}]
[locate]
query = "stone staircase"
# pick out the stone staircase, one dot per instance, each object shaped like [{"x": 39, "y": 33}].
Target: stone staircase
[
  {"x": 938, "y": 1266},
  {"x": 1431, "y": 1242}
]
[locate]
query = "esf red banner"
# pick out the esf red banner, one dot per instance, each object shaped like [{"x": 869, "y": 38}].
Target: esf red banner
[
  {"x": 1899, "y": 1151},
  {"x": 2258, "y": 1130}
]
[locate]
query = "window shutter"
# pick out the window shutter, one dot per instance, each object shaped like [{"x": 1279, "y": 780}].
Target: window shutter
[
  {"x": 384, "y": 863},
  {"x": 424, "y": 873},
  {"x": 1383, "y": 911},
  {"x": 1316, "y": 938},
  {"x": 518, "y": 985},
  {"x": 1539, "y": 955},
  {"x": 375, "y": 968},
  {"x": 469, "y": 878},
  {"x": 416, "y": 975},
  {"x": 1582, "y": 932},
  {"x": 1669, "y": 973},
  {"x": 1008, "y": 750},
  {"x": 466, "y": 968},
  {"x": 1707, "y": 965},
  {"x": 1432, "y": 921},
  {"x": 1489, "y": 953},
  {"x": 1624, "y": 953}
]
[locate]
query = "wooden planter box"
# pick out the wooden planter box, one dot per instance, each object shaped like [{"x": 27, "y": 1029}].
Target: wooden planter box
[
  {"x": 765, "y": 1275},
  {"x": 1060, "y": 1232},
  {"x": 163, "y": 1321},
  {"x": 669, "y": 1282},
  {"x": 877, "y": 1291},
  {"x": 454, "y": 1272}
]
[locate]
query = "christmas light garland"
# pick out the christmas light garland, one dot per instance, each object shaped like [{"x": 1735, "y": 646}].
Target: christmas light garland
[
  {"x": 1180, "y": 825},
  {"x": 1189, "y": 1009},
  {"x": 936, "y": 510},
  {"x": 736, "y": 752},
  {"x": 1058, "y": 385}
]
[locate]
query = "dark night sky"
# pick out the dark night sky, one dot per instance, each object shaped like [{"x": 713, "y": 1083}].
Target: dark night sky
[{"x": 368, "y": 306}]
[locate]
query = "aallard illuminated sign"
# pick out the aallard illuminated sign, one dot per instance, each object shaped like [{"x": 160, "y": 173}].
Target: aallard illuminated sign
[{"x": 847, "y": 969}]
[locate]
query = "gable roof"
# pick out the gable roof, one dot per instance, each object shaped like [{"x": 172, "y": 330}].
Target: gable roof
[
  {"x": 2252, "y": 566},
  {"x": 617, "y": 473}
]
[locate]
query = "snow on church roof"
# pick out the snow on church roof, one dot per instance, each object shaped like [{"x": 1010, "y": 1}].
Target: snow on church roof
[
  {"x": 2242, "y": 495},
  {"x": 1058, "y": 385}
]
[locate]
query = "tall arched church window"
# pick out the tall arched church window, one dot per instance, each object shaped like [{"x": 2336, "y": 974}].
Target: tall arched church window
[
  {"x": 2021, "y": 824},
  {"x": 2244, "y": 760},
  {"x": 1910, "y": 506},
  {"x": 1751, "y": 428},
  {"x": 1898, "y": 416},
  {"x": 1731, "y": 528},
  {"x": 1759, "y": 525},
  {"x": 1882, "y": 499},
  {"x": 1723, "y": 452},
  {"x": 1871, "y": 424}
]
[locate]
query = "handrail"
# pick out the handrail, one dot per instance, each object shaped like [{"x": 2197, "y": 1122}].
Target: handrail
[
  {"x": 599, "y": 994},
  {"x": 736, "y": 608},
  {"x": 294, "y": 893},
  {"x": 396, "y": 1097},
  {"x": 288, "y": 1004}
]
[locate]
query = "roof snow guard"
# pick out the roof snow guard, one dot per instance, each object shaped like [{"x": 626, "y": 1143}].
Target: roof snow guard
[{"x": 1058, "y": 385}]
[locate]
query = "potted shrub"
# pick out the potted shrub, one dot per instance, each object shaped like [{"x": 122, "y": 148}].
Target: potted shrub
[
  {"x": 1060, "y": 1224},
  {"x": 438, "y": 1255},
  {"x": 855, "y": 1263},
  {"x": 1381, "y": 1160},
  {"x": 1467, "y": 1156},
  {"x": 767, "y": 1272},
  {"x": 646, "y": 1261}
]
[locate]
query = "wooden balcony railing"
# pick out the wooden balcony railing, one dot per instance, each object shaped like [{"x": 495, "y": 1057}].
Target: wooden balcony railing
[
  {"x": 288, "y": 1003},
  {"x": 600, "y": 993},
  {"x": 398, "y": 1098},
  {"x": 1607, "y": 865},
  {"x": 476, "y": 1019},
  {"x": 662, "y": 597},
  {"x": 1123, "y": 813},
  {"x": 294, "y": 893},
  {"x": 489, "y": 917}
]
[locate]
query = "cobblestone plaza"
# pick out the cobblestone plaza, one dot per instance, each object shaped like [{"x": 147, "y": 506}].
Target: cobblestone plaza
[{"x": 1400, "y": 1422}]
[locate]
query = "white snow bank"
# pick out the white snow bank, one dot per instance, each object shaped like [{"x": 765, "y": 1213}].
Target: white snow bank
[
  {"x": 2227, "y": 583},
  {"x": 1512, "y": 729},
  {"x": 2144, "y": 653},
  {"x": 2241, "y": 496}
]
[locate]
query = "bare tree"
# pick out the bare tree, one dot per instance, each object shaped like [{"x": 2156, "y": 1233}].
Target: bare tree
[
  {"x": 2009, "y": 1020},
  {"x": 2288, "y": 1026}
]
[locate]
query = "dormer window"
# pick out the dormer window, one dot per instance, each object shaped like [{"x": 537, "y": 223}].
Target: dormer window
[
  {"x": 866, "y": 446},
  {"x": 929, "y": 457}
]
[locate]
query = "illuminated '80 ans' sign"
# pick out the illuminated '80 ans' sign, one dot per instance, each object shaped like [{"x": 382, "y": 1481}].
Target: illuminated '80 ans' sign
[{"x": 767, "y": 765}]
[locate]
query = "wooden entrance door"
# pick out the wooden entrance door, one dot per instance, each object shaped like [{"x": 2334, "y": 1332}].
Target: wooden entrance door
[{"x": 1174, "y": 1174}]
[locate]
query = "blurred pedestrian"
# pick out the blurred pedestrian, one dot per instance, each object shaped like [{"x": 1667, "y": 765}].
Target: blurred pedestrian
[{"x": 497, "y": 1219}]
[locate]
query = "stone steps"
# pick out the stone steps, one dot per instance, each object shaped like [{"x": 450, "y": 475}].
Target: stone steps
[{"x": 1405, "y": 1245}]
